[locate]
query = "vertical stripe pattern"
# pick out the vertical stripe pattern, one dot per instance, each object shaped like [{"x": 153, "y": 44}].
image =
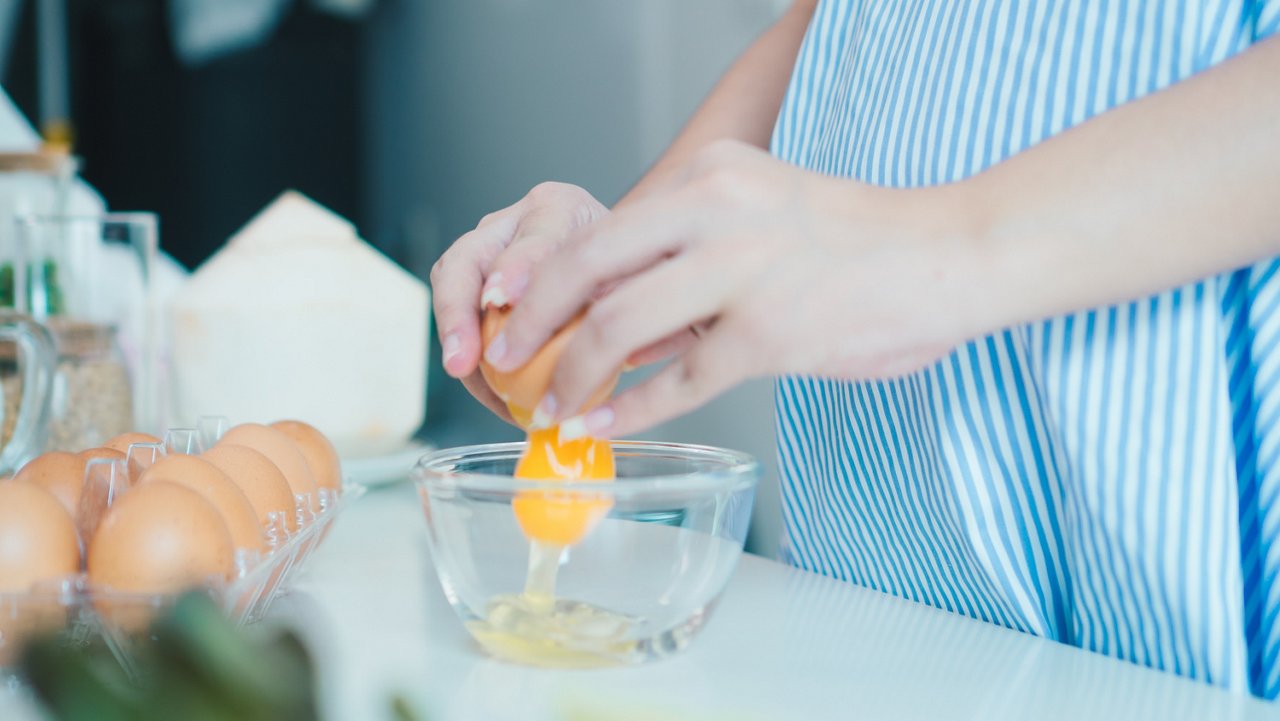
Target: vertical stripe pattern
[{"x": 1109, "y": 479}]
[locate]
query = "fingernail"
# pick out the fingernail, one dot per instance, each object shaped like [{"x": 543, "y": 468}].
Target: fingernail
[
  {"x": 545, "y": 414},
  {"x": 497, "y": 348},
  {"x": 593, "y": 424},
  {"x": 493, "y": 295},
  {"x": 452, "y": 346}
]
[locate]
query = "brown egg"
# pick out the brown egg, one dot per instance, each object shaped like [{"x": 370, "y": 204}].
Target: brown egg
[
  {"x": 321, "y": 456},
  {"x": 215, "y": 487},
  {"x": 124, "y": 440},
  {"x": 277, "y": 447},
  {"x": 523, "y": 388},
  {"x": 108, "y": 453},
  {"x": 25, "y": 615},
  {"x": 259, "y": 478},
  {"x": 160, "y": 538},
  {"x": 59, "y": 473},
  {"x": 37, "y": 537}
]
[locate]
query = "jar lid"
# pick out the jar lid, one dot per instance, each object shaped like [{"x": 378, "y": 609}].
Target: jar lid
[{"x": 45, "y": 161}]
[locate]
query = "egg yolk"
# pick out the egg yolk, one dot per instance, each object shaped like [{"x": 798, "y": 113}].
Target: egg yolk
[{"x": 562, "y": 518}]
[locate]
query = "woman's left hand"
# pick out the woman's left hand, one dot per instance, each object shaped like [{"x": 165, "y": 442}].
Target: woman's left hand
[{"x": 776, "y": 270}]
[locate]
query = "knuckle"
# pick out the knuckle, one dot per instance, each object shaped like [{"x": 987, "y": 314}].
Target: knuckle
[
  {"x": 580, "y": 205},
  {"x": 548, "y": 190},
  {"x": 449, "y": 267},
  {"x": 439, "y": 269}
]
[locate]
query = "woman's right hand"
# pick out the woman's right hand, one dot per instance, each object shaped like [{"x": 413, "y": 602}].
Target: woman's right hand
[{"x": 491, "y": 266}]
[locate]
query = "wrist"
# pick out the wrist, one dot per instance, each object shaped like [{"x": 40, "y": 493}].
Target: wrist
[
  {"x": 922, "y": 252},
  {"x": 977, "y": 263},
  {"x": 1032, "y": 260},
  {"x": 956, "y": 272}
]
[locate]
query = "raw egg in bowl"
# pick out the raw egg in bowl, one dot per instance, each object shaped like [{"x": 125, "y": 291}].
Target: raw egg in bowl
[{"x": 651, "y": 551}]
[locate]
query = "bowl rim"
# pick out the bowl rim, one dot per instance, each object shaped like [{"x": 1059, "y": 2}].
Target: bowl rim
[{"x": 740, "y": 471}]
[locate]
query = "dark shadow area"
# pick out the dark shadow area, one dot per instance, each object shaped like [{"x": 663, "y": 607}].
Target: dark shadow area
[{"x": 205, "y": 147}]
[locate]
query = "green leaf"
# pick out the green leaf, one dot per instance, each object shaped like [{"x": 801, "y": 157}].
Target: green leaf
[
  {"x": 76, "y": 686},
  {"x": 195, "y": 666},
  {"x": 402, "y": 710},
  {"x": 196, "y": 642}
]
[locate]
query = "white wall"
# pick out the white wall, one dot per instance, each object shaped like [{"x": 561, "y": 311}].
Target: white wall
[{"x": 474, "y": 101}]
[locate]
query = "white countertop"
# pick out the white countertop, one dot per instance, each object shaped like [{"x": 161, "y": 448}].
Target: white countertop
[{"x": 784, "y": 644}]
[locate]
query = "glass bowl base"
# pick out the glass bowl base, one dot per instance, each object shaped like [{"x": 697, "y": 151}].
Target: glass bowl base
[{"x": 566, "y": 634}]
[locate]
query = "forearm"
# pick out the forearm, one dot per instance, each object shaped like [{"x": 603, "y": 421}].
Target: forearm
[
  {"x": 1179, "y": 185},
  {"x": 744, "y": 103}
]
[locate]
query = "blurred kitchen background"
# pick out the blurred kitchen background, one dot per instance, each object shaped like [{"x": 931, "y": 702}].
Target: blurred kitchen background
[{"x": 412, "y": 118}]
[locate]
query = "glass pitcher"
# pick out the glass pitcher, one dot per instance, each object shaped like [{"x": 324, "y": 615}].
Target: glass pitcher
[{"x": 27, "y": 361}]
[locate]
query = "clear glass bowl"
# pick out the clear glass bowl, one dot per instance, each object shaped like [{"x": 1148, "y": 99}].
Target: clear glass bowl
[{"x": 638, "y": 586}]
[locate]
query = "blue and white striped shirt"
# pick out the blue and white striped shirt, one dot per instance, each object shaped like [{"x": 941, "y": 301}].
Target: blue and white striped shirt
[{"x": 1110, "y": 479}]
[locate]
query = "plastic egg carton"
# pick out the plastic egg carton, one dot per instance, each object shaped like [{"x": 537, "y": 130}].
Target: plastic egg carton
[{"x": 85, "y": 608}]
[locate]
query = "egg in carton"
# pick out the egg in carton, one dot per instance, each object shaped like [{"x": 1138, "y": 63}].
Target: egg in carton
[{"x": 123, "y": 529}]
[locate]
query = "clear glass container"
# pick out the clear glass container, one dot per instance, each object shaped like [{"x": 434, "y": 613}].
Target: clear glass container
[
  {"x": 637, "y": 587},
  {"x": 87, "y": 280},
  {"x": 91, "y": 399}
]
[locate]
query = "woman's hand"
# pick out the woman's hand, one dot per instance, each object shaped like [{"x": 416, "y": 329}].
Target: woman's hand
[
  {"x": 785, "y": 271},
  {"x": 776, "y": 269},
  {"x": 491, "y": 265}
]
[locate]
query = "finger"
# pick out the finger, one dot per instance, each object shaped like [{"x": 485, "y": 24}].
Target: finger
[
  {"x": 713, "y": 365},
  {"x": 535, "y": 237},
  {"x": 478, "y": 388},
  {"x": 456, "y": 279},
  {"x": 672, "y": 345},
  {"x": 664, "y": 300},
  {"x": 614, "y": 247}
]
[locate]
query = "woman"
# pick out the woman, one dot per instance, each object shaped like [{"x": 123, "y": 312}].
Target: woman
[{"x": 1013, "y": 263}]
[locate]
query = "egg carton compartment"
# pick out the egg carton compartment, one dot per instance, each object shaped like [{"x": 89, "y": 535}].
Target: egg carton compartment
[{"x": 87, "y": 610}]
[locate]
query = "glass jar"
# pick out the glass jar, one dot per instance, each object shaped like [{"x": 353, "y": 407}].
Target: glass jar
[
  {"x": 90, "y": 398},
  {"x": 86, "y": 280}
]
